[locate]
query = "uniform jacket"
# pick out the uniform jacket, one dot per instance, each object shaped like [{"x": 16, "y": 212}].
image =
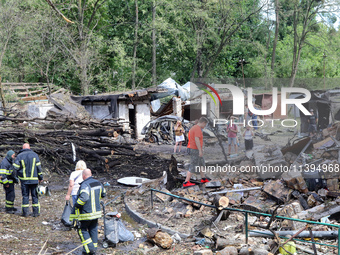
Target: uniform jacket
[
  {"x": 7, "y": 171},
  {"x": 87, "y": 206},
  {"x": 28, "y": 166}
]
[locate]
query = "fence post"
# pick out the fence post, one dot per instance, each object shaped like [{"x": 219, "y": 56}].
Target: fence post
[
  {"x": 151, "y": 199},
  {"x": 246, "y": 223},
  {"x": 338, "y": 241}
]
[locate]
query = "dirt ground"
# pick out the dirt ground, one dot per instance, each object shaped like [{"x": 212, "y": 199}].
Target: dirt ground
[{"x": 46, "y": 235}]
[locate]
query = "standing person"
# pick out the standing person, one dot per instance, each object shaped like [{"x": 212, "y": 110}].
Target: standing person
[
  {"x": 232, "y": 135},
  {"x": 87, "y": 210},
  {"x": 28, "y": 168},
  {"x": 195, "y": 148},
  {"x": 312, "y": 120},
  {"x": 76, "y": 178},
  {"x": 254, "y": 120},
  {"x": 248, "y": 138},
  {"x": 8, "y": 178},
  {"x": 179, "y": 134}
]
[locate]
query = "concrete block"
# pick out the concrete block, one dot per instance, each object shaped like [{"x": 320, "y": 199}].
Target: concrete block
[{"x": 38, "y": 110}]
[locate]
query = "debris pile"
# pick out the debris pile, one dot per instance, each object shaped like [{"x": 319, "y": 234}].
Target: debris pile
[
  {"x": 206, "y": 212},
  {"x": 68, "y": 134}
]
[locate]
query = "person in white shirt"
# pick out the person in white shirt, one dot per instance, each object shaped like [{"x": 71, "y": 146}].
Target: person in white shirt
[{"x": 75, "y": 178}]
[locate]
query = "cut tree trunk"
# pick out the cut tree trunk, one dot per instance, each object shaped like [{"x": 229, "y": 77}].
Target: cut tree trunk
[{"x": 221, "y": 202}]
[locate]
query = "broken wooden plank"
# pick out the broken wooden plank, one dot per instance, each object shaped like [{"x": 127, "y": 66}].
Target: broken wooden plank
[{"x": 323, "y": 143}]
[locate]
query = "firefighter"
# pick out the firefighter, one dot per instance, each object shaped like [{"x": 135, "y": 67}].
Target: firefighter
[
  {"x": 87, "y": 211},
  {"x": 8, "y": 178},
  {"x": 28, "y": 168}
]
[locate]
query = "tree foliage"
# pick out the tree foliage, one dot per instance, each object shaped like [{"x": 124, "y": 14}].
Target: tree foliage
[{"x": 109, "y": 45}]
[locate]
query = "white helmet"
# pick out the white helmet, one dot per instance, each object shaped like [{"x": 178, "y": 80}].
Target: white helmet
[{"x": 42, "y": 190}]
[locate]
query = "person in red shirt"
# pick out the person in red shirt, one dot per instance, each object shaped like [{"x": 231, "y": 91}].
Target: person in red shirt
[{"x": 195, "y": 149}]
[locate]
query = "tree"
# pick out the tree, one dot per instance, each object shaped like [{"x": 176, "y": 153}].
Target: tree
[
  {"x": 10, "y": 17},
  {"x": 82, "y": 40}
]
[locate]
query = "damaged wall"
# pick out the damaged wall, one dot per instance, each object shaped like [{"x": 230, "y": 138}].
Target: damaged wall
[
  {"x": 38, "y": 110},
  {"x": 99, "y": 110},
  {"x": 142, "y": 118}
]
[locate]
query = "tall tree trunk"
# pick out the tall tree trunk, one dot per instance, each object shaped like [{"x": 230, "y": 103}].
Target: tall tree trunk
[
  {"x": 2, "y": 97},
  {"x": 198, "y": 62},
  {"x": 300, "y": 40},
  {"x": 277, "y": 24},
  {"x": 1, "y": 88},
  {"x": 154, "y": 74},
  {"x": 265, "y": 59},
  {"x": 295, "y": 53},
  {"x": 135, "y": 48},
  {"x": 83, "y": 68},
  {"x": 295, "y": 67}
]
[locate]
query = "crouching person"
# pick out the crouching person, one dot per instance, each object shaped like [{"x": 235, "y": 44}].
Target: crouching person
[{"x": 87, "y": 211}]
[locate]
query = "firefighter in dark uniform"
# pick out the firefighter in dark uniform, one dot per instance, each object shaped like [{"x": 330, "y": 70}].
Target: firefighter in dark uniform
[
  {"x": 8, "y": 178},
  {"x": 87, "y": 211},
  {"x": 28, "y": 168}
]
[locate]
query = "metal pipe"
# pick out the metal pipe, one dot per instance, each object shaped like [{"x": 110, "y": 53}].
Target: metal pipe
[
  {"x": 302, "y": 234},
  {"x": 236, "y": 190},
  {"x": 270, "y": 234},
  {"x": 339, "y": 241},
  {"x": 246, "y": 222},
  {"x": 151, "y": 198}
]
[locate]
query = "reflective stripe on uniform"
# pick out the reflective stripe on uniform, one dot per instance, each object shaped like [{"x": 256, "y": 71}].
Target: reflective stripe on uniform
[
  {"x": 26, "y": 205},
  {"x": 87, "y": 241},
  {"x": 84, "y": 190},
  {"x": 93, "y": 201},
  {"x": 38, "y": 164},
  {"x": 75, "y": 215},
  {"x": 16, "y": 165},
  {"x": 37, "y": 205},
  {"x": 23, "y": 169},
  {"x": 80, "y": 202},
  {"x": 28, "y": 178},
  {"x": 86, "y": 216},
  {"x": 84, "y": 241},
  {"x": 9, "y": 204},
  {"x": 33, "y": 167},
  {"x": 90, "y": 216}
]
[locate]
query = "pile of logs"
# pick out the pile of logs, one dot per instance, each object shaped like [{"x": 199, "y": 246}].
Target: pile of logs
[{"x": 61, "y": 142}]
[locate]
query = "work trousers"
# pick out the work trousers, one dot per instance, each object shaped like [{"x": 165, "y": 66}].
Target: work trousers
[
  {"x": 26, "y": 189},
  {"x": 88, "y": 233},
  {"x": 10, "y": 195}
]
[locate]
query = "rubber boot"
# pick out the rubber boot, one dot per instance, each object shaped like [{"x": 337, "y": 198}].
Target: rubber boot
[{"x": 36, "y": 211}]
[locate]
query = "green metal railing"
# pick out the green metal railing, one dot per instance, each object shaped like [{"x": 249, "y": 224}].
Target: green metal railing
[{"x": 246, "y": 212}]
